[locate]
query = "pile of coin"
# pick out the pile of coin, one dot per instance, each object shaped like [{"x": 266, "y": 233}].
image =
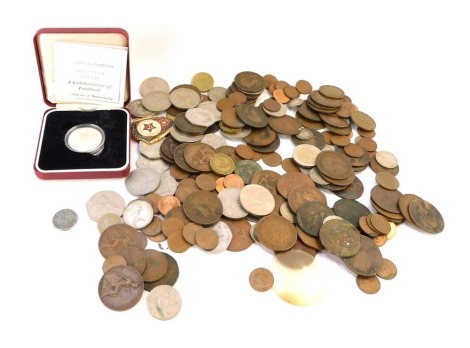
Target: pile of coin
[{"x": 193, "y": 189}]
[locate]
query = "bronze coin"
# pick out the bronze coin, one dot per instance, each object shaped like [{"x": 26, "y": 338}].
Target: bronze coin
[
  {"x": 304, "y": 193},
  {"x": 352, "y": 191},
  {"x": 310, "y": 216},
  {"x": 182, "y": 123},
  {"x": 198, "y": 156},
  {"x": 261, "y": 137},
  {"x": 271, "y": 104},
  {"x": 168, "y": 146},
  {"x": 229, "y": 151},
  {"x": 229, "y": 117},
  {"x": 330, "y": 91},
  {"x": 260, "y": 150},
  {"x": 324, "y": 101},
  {"x": 387, "y": 180},
  {"x": 184, "y": 188},
  {"x": 272, "y": 159},
  {"x": 368, "y": 284},
  {"x": 244, "y": 151},
  {"x": 425, "y": 216},
  {"x": 286, "y": 124},
  {"x": 289, "y": 180},
  {"x": 388, "y": 270},
  {"x": 340, "y": 238},
  {"x": 135, "y": 257},
  {"x": 303, "y": 86},
  {"x": 266, "y": 178},
  {"x": 206, "y": 181},
  {"x": 121, "y": 288},
  {"x": 276, "y": 233},
  {"x": 307, "y": 112},
  {"x": 386, "y": 199},
  {"x": 177, "y": 243},
  {"x": 206, "y": 238},
  {"x": 363, "y": 120},
  {"x": 203, "y": 207},
  {"x": 117, "y": 237},
  {"x": 403, "y": 205},
  {"x": 178, "y": 157},
  {"x": 289, "y": 165},
  {"x": 170, "y": 277},
  {"x": 246, "y": 169},
  {"x": 350, "y": 210},
  {"x": 379, "y": 223},
  {"x": 367, "y": 261},
  {"x": 252, "y": 116},
  {"x": 334, "y": 165},
  {"x": 261, "y": 279},
  {"x": 249, "y": 81},
  {"x": 241, "y": 238},
  {"x": 167, "y": 203},
  {"x": 156, "y": 265}
]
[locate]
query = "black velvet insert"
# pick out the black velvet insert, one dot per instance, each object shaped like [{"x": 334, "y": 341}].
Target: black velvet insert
[{"x": 54, "y": 155}]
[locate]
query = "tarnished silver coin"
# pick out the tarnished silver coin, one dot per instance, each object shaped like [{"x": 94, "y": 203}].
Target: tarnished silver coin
[
  {"x": 141, "y": 181},
  {"x": 138, "y": 214},
  {"x": 167, "y": 186},
  {"x": 64, "y": 219}
]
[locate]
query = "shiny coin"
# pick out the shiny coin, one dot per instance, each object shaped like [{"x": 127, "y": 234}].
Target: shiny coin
[
  {"x": 138, "y": 213},
  {"x": 121, "y": 288},
  {"x": 85, "y": 138},
  {"x": 203, "y": 207},
  {"x": 368, "y": 284},
  {"x": 64, "y": 219},
  {"x": 261, "y": 279},
  {"x": 276, "y": 233},
  {"x": 164, "y": 302},
  {"x": 340, "y": 238},
  {"x": 425, "y": 216},
  {"x": 367, "y": 261},
  {"x": 256, "y": 200}
]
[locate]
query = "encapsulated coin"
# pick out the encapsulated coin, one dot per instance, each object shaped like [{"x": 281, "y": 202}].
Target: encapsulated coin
[
  {"x": 64, "y": 219},
  {"x": 340, "y": 238},
  {"x": 121, "y": 288},
  {"x": 203, "y": 207},
  {"x": 425, "y": 216},
  {"x": 261, "y": 279},
  {"x": 367, "y": 261},
  {"x": 164, "y": 302},
  {"x": 276, "y": 233}
]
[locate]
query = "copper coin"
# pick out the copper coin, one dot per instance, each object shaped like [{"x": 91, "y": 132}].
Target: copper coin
[
  {"x": 117, "y": 237},
  {"x": 352, "y": 191},
  {"x": 167, "y": 203},
  {"x": 233, "y": 180},
  {"x": 387, "y": 180},
  {"x": 386, "y": 199},
  {"x": 303, "y": 86},
  {"x": 244, "y": 151},
  {"x": 177, "y": 243},
  {"x": 289, "y": 180},
  {"x": 266, "y": 178},
  {"x": 261, "y": 279},
  {"x": 246, "y": 169},
  {"x": 330, "y": 91},
  {"x": 368, "y": 284},
  {"x": 276, "y": 233},
  {"x": 271, "y": 104},
  {"x": 206, "y": 238},
  {"x": 203, "y": 207},
  {"x": 388, "y": 270},
  {"x": 363, "y": 120},
  {"x": 310, "y": 216},
  {"x": 185, "y": 187},
  {"x": 272, "y": 159},
  {"x": 304, "y": 193},
  {"x": 198, "y": 156},
  {"x": 261, "y": 137},
  {"x": 333, "y": 165},
  {"x": 121, "y": 288},
  {"x": 403, "y": 205},
  {"x": 170, "y": 277},
  {"x": 135, "y": 257},
  {"x": 172, "y": 224},
  {"x": 379, "y": 223},
  {"x": 241, "y": 239},
  {"x": 156, "y": 265},
  {"x": 229, "y": 117},
  {"x": 249, "y": 81},
  {"x": 252, "y": 116},
  {"x": 286, "y": 124},
  {"x": 377, "y": 168},
  {"x": 289, "y": 165},
  {"x": 340, "y": 238},
  {"x": 425, "y": 216},
  {"x": 350, "y": 210},
  {"x": 113, "y": 261},
  {"x": 367, "y": 261},
  {"x": 260, "y": 150}
]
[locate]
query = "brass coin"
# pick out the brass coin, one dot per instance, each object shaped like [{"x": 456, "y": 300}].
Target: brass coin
[
  {"x": 350, "y": 210},
  {"x": 367, "y": 261},
  {"x": 425, "y": 216},
  {"x": 252, "y": 116},
  {"x": 310, "y": 216},
  {"x": 203, "y": 207},
  {"x": 221, "y": 164},
  {"x": 117, "y": 237},
  {"x": 261, "y": 279},
  {"x": 276, "y": 233},
  {"x": 388, "y": 270},
  {"x": 156, "y": 265},
  {"x": 368, "y": 284},
  {"x": 340, "y": 238},
  {"x": 198, "y": 156},
  {"x": 121, "y": 288},
  {"x": 170, "y": 277},
  {"x": 203, "y": 81}
]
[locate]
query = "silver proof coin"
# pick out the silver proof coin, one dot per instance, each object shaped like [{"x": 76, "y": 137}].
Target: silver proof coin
[{"x": 85, "y": 138}]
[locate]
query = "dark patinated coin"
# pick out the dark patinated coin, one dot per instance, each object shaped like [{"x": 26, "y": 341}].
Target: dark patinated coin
[
  {"x": 350, "y": 210},
  {"x": 203, "y": 207},
  {"x": 340, "y": 237},
  {"x": 368, "y": 261},
  {"x": 261, "y": 137},
  {"x": 310, "y": 216},
  {"x": 276, "y": 233},
  {"x": 117, "y": 237},
  {"x": 121, "y": 288},
  {"x": 287, "y": 181},
  {"x": 246, "y": 169},
  {"x": 335, "y": 165},
  {"x": 252, "y": 116},
  {"x": 169, "y": 278},
  {"x": 352, "y": 191},
  {"x": 425, "y": 215},
  {"x": 386, "y": 199},
  {"x": 249, "y": 81},
  {"x": 198, "y": 156},
  {"x": 266, "y": 178}
]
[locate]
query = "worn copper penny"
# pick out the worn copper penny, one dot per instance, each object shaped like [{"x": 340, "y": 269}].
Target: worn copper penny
[
  {"x": 198, "y": 156},
  {"x": 425, "y": 216},
  {"x": 304, "y": 193},
  {"x": 286, "y": 124},
  {"x": 387, "y": 180},
  {"x": 367, "y": 261},
  {"x": 340, "y": 238},
  {"x": 121, "y": 288},
  {"x": 170, "y": 277},
  {"x": 368, "y": 284},
  {"x": 156, "y": 265},
  {"x": 206, "y": 238},
  {"x": 386, "y": 199},
  {"x": 333, "y": 165},
  {"x": 134, "y": 256},
  {"x": 310, "y": 216},
  {"x": 117, "y": 237},
  {"x": 203, "y": 207},
  {"x": 167, "y": 203},
  {"x": 287, "y": 181},
  {"x": 352, "y": 191},
  {"x": 261, "y": 279},
  {"x": 388, "y": 270},
  {"x": 363, "y": 120},
  {"x": 350, "y": 210},
  {"x": 276, "y": 233},
  {"x": 272, "y": 159},
  {"x": 113, "y": 261},
  {"x": 252, "y": 116},
  {"x": 403, "y": 205},
  {"x": 241, "y": 239}
]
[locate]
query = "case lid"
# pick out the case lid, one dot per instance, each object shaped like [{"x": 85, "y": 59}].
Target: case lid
[{"x": 92, "y": 68}]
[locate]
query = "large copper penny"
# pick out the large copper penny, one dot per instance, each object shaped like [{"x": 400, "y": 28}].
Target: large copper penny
[
  {"x": 261, "y": 279},
  {"x": 368, "y": 261},
  {"x": 170, "y": 277},
  {"x": 304, "y": 193},
  {"x": 287, "y": 181},
  {"x": 156, "y": 265},
  {"x": 334, "y": 165},
  {"x": 310, "y": 216},
  {"x": 241, "y": 238},
  {"x": 276, "y": 233},
  {"x": 198, "y": 156},
  {"x": 117, "y": 237},
  {"x": 121, "y": 288},
  {"x": 425, "y": 215},
  {"x": 203, "y": 207},
  {"x": 252, "y": 116},
  {"x": 261, "y": 137},
  {"x": 350, "y": 210}
]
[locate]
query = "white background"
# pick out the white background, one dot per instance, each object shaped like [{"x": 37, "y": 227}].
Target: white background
[{"x": 405, "y": 63}]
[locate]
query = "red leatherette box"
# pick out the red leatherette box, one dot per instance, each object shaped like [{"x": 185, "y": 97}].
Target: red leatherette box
[{"x": 54, "y": 158}]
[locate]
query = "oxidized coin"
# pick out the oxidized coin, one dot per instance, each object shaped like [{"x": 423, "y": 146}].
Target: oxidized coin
[
  {"x": 352, "y": 191},
  {"x": 276, "y": 233},
  {"x": 221, "y": 164},
  {"x": 386, "y": 199},
  {"x": 368, "y": 284},
  {"x": 261, "y": 279},
  {"x": 266, "y": 178},
  {"x": 310, "y": 216},
  {"x": 241, "y": 239},
  {"x": 425, "y": 215},
  {"x": 134, "y": 257},
  {"x": 249, "y": 81},
  {"x": 246, "y": 169},
  {"x": 164, "y": 302},
  {"x": 252, "y": 116},
  {"x": 333, "y": 165},
  {"x": 256, "y": 200},
  {"x": 340, "y": 238},
  {"x": 367, "y": 261},
  {"x": 287, "y": 181},
  {"x": 121, "y": 288},
  {"x": 203, "y": 207},
  {"x": 350, "y": 210},
  {"x": 304, "y": 193},
  {"x": 64, "y": 219},
  {"x": 170, "y": 277}
]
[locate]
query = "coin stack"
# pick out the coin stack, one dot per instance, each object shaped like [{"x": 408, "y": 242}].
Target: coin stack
[{"x": 194, "y": 189}]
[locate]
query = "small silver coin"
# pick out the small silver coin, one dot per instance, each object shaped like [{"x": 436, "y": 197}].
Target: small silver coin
[{"x": 64, "y": 219}]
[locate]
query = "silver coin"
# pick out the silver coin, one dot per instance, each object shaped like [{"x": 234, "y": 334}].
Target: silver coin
[
  {"x": 212, "y": 107},
  {"x": 154, "y": 84},
  {"x": 141, "y": 181},
  {"x": 105, "y": 202},
  {"x": 184, "y": 137},
  {"x": 231, "y": 206},
  {"x": 200, "y": 117},
  {"x": 225, "y": 237},
  {"x": 138, "y": 214},
  {"x": 64, "y": 219},
  {"x": 217, "y": 93},
  {"x": 167, "y": 186},
  {"x": 214, "y": 140},
  {"x": 151, "y": 151},
  {"x": 85, "y": 138},
  {"x": 158, "y": 165},
  {"x": 136, "y": 109}
]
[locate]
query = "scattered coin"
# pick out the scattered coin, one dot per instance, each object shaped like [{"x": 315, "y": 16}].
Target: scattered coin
[
  {"x": 261, "y": 279},
  {"x": 164, "y": 302},
  {"x": 64, "y": 219},
  {"x": 368, "y": 284}
]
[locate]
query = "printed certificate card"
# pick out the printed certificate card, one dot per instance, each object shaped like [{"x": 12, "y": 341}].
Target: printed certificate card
[{"x": 91, "y": 74}]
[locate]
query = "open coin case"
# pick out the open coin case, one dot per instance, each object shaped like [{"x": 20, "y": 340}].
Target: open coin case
[{"x": 55, "y": 157}]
